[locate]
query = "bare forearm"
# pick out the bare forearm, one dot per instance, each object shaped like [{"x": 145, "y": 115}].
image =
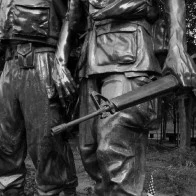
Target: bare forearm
[
  {"x": 122, "y": 9},
  {"x": 63, "y": 46},
  {"x": 68, "y": 30},
  {"x": 178, "y": 62},
  {"x": 177, "y": 18}
]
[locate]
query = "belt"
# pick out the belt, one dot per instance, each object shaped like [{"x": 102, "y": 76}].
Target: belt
[{"x": 25, "y": 53}]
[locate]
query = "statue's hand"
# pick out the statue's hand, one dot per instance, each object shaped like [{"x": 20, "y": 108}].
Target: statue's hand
[
  {"x": 179, "y": 63},
  {"x": 64, "y": 83}
]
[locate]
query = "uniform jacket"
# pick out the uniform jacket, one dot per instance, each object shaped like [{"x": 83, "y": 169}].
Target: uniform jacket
[
  {"x": 31, "y": 20},
  {"x": 119, "y": 36}
]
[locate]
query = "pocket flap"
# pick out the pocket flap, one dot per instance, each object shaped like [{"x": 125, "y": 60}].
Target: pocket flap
[
  {"x": 24, "y": 49},
  {"x": 115, "y": 27}
]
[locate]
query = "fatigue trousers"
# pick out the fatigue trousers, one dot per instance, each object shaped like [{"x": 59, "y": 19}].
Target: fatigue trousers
[
  {"x": 28, "y": 110},
  {"x": 113, "y": 149}
]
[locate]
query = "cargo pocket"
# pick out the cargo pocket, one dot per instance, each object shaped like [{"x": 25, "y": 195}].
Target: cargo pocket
[
  {"x": 117, "y": 48},
  {"x": 31, "y": 21}
]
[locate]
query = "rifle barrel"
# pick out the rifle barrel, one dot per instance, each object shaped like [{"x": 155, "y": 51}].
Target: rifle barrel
[
  {"x": 147, "y": 92},
  {"x": 60, "y": 128}
]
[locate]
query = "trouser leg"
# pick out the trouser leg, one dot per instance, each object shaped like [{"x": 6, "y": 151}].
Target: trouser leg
[
  {"x": 87, "y": 136},
  {"x": 122, "y": 140},
  {"x": 121, "y": 155},
  {"x": 12, "y": 135},
  {"x": 119, "y": 140},
  {"x": 52, "y": 156},
  {"x": 24, "y": 97}
]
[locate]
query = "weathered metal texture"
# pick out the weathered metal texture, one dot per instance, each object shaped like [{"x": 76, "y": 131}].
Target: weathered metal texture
[
  {"x": 122, "y": 9},
  {"x": 30, "y": 20},
  {"x": 158, "y": 88},
  {"x": 113, "y": 148},
  {"x": 119, "y": 42},
  {"x": 28, "y": 111},
  {"x": 178, "y": 61},
  {"x": 28, "y": 100}
]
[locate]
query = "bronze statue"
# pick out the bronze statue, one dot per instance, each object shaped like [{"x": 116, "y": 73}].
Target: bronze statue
[
  {"x": 118, "y": 57},
  {"x": 30, "y": 105}
]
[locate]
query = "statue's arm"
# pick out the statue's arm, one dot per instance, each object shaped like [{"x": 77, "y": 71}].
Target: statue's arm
[
  {"x": 177, "y": 19},
  {"x": 62, "y": 78},
  {"x": 68, "y": 30},
  {"x": 178, "y": 61},
  {"x": 119, "y": 9}
]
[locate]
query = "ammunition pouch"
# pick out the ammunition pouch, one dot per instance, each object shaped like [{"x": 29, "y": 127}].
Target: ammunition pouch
[
  {"x": 34, "y": 21},
  {"x": 25, "y": 54}
]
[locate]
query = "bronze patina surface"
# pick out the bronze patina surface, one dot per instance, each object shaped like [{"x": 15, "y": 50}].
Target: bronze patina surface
[
  {"x": 30, "y": 105},
  {"x": 117, "y": 57}
]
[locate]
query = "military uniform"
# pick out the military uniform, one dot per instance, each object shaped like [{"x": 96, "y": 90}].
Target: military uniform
[
  {"x": 29, "y": 30},
  {"x": 118, "y": 56}
]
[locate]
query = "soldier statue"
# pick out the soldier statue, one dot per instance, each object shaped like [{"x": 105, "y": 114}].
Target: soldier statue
[
  {"x": 30, "y": 100},
  {"x": 118, "y": 56}
]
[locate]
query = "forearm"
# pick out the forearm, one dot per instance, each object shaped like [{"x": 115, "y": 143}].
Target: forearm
[
  {"x": 178, "y": 62},
  {"x": 64, "y": 44},
  {"x": 68, "y": 30},
  {"x": 123, "y": 9},
  {"x": 177, "y": 19}
]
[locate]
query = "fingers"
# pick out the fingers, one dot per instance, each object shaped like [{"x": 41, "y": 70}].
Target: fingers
[
  {"x": 57, "y": 82},
  {"x": 60, "y": 94},
  {"x": 65, "y": 96},
  {"x": 71, "y": 82},
  {"x": 65, "y": 84},
  {"x": 68, "y": 82},
  {"x": 64, "y": 71}
]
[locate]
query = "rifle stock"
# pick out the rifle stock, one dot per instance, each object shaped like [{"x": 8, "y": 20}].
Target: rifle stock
[{"x": 158, "y": 88}]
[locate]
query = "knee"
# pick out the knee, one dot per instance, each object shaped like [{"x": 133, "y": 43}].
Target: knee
[{"x": 103, "y": 150}]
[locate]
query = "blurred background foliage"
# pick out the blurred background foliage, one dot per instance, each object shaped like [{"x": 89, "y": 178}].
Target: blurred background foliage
[{"x": 191, "y": 25}]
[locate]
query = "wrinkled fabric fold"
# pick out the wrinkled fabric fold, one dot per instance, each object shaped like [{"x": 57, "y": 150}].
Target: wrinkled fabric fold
[
  {"x": 113, "y": 148},
  {"x": 28, "y": 111}
]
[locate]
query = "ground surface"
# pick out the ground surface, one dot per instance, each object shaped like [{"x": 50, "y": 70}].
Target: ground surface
[{"x": 170, "y": 178}]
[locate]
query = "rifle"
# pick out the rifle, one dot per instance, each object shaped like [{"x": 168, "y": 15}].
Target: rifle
[{"x": 163, "y": 86}]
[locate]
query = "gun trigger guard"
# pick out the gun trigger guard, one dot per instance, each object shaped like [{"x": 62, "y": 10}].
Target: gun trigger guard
[
  {"x": 98, "y": 98},
  {"x": 94, "y": 96}
]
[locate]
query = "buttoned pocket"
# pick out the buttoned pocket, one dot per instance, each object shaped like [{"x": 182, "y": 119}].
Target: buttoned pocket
[
  {"x": 29, "y": 20},
  {"x": 117, "y": 47}
]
